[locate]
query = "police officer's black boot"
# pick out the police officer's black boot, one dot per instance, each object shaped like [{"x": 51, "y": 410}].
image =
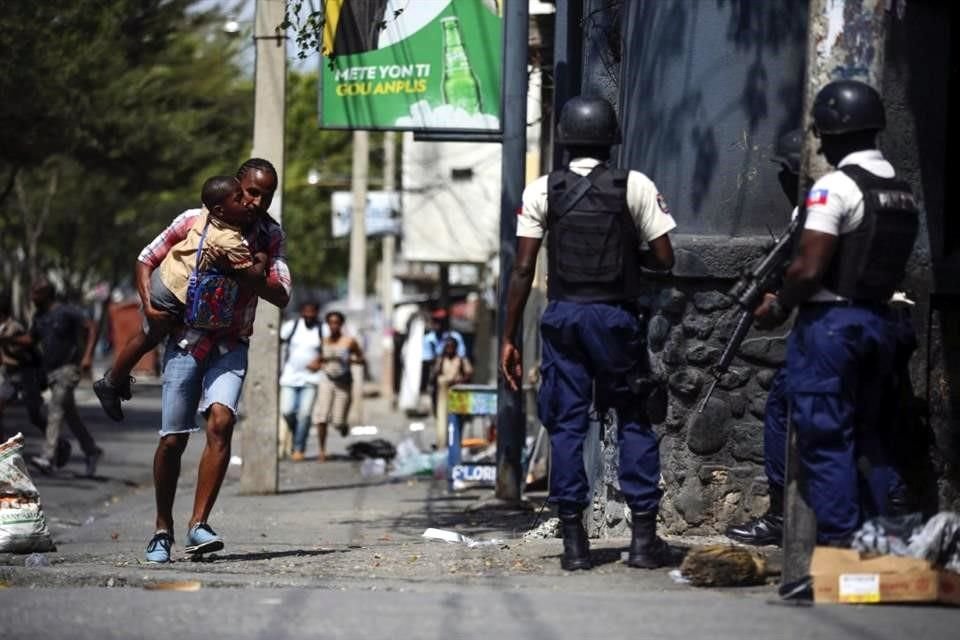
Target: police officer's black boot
[
  {"x": 647, "y": 550},
  {"x": 576, "y": 547},
  {"x": 767, "y": 529}
]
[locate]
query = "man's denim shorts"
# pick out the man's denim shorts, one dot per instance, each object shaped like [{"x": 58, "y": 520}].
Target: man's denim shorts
[{"x": 191, "y": 386}]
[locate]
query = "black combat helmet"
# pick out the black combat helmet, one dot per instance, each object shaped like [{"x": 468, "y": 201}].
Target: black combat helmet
[
  {"x": 787, "y": 151},
  {"x": 588, "y": 122},
  {"x": 846, "y": 106}
]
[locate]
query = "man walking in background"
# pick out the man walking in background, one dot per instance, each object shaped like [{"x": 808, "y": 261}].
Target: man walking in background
[{"x": 59, "y": 330}]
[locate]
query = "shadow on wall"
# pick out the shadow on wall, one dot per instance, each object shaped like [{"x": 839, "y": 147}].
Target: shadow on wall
[
  {"x": 603, "y": 48},
  {"x": 701, "y": 109},
  {"x": 920, "y": 84},
  {"x": 951, "y": 428}
]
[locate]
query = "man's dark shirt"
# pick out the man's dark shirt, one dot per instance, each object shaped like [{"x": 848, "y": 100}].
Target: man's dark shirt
[{"x": 58, "y": 332}]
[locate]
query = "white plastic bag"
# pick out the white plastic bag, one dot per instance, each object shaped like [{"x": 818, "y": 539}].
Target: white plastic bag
[
  {"x": 411, "y": 461},
  {"x": 23, "y": 529}
]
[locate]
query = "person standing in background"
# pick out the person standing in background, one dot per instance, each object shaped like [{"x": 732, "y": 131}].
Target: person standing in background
[
  {"x": 433, "y": 341},
  {"x": 449, "y": 369},
  {"x": 20, "y": 372},
  {"x": 334, "y": 392},
  {"x": 301, "y": 374}
]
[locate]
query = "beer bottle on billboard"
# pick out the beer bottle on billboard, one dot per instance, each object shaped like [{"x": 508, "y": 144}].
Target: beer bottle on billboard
[{"x": 460, "y": 86}]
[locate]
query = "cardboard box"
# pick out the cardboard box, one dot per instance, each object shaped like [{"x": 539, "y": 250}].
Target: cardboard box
[{"x": 842, "y": 575}]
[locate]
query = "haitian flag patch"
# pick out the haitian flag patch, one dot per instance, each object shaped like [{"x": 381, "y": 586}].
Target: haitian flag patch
[
  {"x": 662, "y": 203},
  {"x": 817, "y": 196}
]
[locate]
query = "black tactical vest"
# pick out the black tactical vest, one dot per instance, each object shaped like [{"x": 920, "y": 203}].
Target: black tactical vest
[
  {"x": 593, "y": 249},
  {"x": 871, "y": 260}
]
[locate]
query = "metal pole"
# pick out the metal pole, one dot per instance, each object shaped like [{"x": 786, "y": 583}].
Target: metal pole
[
  {"x": 444, "y": 293},
  {"x": 567, "y": 55},
  {"x": 836, "y": 50},
  {"x": 389, "y": 254},
  {"x": 258, "y": 474},
  {"x": 511, "y": 423}
]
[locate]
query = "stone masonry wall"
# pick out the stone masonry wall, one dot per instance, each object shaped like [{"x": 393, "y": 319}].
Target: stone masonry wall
[{"x": 711, "y": 463}]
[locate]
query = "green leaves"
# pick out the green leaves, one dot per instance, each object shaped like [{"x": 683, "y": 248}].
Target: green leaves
[
  {"x": 316, "y": 258},
  {"x": 134, "y": 102},
  {"x": 309, "y": 28}
]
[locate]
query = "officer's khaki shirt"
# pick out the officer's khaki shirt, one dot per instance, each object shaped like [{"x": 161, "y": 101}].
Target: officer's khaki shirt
[
  {"x": 835, "y": 203},
  {"x": 647, "y": 206}
]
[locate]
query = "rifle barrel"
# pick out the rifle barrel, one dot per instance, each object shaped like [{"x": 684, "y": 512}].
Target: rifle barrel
[
  {"x": 744, "y": 322},
  {"x": 703, "y": 403}
]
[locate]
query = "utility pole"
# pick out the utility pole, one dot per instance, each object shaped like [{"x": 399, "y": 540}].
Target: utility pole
[
  {"x": 511, "y": 422},
  {"x": 357, "y": 282},
  {"x": 836, "y": 50},
  {"x": 386, "y": 271},
  {"x": 357, "y": 278},
  {"x": 258, "y": 474}
]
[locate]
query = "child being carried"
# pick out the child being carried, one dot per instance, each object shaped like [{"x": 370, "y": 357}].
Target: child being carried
[{"x": 224, "y": 249}]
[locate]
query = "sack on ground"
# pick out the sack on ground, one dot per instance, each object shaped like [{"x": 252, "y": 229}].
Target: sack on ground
[
  {"x": 23, "y": 529},
  {"x": 721, "y": 565}
]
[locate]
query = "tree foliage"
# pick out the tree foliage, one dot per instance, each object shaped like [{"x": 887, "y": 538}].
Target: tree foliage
[
  {"x": 307, "y": 19},
  {"x": 122, "y": 108},
  {"x": 317, "y": 259}
]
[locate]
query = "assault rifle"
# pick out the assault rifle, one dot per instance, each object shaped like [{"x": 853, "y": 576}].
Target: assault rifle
[{"x": 748, "y": 293}]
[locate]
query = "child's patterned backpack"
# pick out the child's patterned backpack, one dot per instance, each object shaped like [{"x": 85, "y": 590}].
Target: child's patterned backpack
[{"x": 211, "y": 295}]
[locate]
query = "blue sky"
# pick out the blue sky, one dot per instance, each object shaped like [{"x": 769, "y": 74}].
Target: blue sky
[{"x": 243, "y": 12}]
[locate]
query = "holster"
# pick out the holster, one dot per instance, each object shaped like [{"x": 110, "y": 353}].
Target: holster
[{"x": 651, "y": 391}]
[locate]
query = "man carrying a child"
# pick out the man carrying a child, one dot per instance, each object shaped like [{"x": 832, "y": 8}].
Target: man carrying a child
[{"x": 204, "y": 369}]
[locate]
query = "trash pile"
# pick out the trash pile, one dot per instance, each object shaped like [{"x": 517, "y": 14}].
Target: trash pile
[
  {"x": 458, "y": 538},
  {"x": 379, "y": 456},
  {"x": 410, "y": 461},
  {"x": 937, "y": 541},
  {"x": 23, "y": 529},
  {"x": 373, "y": 449},
  {"x": 547, "y": 530}
]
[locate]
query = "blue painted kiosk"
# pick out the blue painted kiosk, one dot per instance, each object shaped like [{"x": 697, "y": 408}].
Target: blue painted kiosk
[{"x": 465, "y": 401}]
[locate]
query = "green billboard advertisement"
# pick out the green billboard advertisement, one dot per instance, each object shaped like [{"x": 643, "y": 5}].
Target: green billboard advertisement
[{"x": 425, "y": 65}]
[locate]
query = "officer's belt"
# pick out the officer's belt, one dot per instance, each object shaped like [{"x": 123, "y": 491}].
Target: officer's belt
[
  {"x": 627, "y": 305},
  {"x": 868, "y": 304}
]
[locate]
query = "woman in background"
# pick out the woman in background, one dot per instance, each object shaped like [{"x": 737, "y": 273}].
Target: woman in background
[{"x": 338, "y": 352}]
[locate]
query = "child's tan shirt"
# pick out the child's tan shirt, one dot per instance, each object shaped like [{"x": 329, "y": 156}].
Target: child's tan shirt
[{"x": 222, "y": 238}]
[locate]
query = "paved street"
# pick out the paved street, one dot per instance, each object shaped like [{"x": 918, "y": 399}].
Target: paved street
[{"x": 339, "y": 555}]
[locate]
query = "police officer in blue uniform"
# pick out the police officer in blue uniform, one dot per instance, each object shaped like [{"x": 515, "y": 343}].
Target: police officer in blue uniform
[
  {"x": 768, "y": 528},
  {"x": 598, "y": 219},
  {"x": 859, "y": 227}
]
